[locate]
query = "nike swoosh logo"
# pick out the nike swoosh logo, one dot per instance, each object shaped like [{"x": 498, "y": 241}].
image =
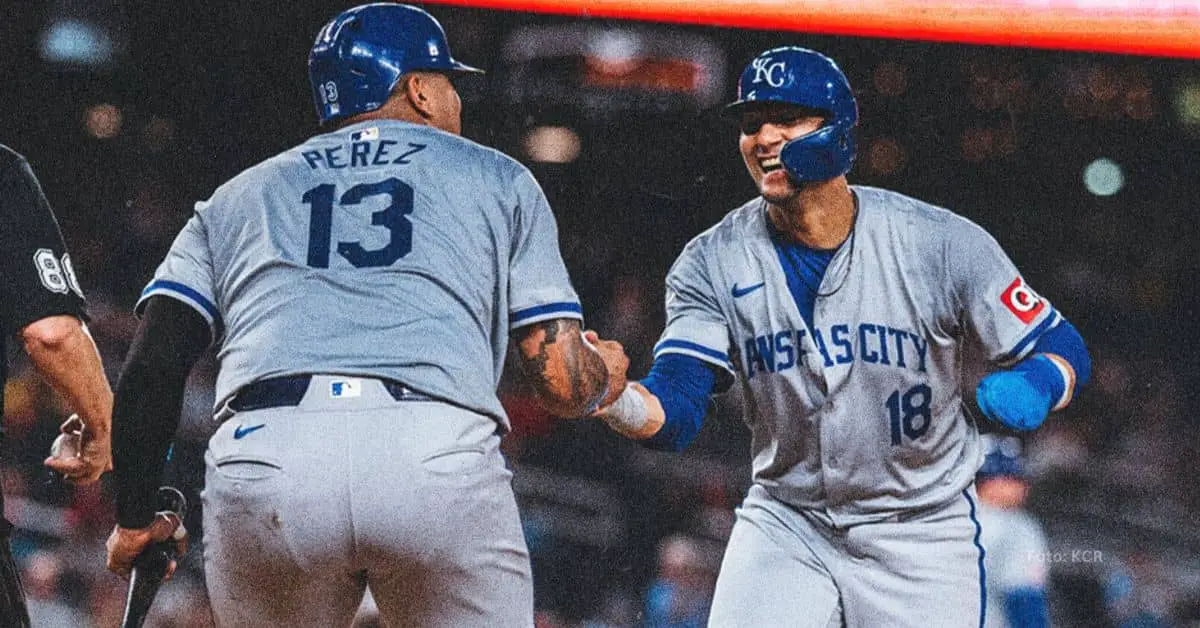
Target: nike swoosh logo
[
  {"x": 242, "y": 430},
  {"x": 739, "y": 293}
]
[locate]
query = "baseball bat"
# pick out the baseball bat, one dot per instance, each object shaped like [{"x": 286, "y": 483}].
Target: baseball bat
[{"x": 150, "y": 567}]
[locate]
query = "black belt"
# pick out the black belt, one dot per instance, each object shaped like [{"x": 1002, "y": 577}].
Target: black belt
[{"x": 289, "y": 390}]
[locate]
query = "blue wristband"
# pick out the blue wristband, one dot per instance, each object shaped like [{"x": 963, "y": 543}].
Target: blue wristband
[{"x": 1064, "y": 341}]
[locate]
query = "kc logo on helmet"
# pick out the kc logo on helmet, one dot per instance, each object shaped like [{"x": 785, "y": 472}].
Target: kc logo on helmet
[
  {"x": 765, "y": 69},
  {"x": 1023, "y": 302}
]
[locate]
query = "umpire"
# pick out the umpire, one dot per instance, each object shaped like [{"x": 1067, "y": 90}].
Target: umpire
[{"x": 40, "y": 301}]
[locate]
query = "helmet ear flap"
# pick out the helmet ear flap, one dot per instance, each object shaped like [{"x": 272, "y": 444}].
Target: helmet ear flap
[{"x": 825, "y": 154}]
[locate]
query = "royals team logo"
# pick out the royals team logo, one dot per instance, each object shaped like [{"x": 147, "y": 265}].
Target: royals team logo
[
  {"x": 1022, "y": 301},
  {"x": 769, "y": 70}
]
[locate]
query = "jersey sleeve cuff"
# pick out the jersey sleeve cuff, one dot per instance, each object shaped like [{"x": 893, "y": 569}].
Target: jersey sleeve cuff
[
  {"x": 548, "y": 311},
  {"x": 698, "y": 351},
  {"x": 1024, "y": 346},
  {"x": 24, "y": 319},
  {"x": 190, "y": 296}
]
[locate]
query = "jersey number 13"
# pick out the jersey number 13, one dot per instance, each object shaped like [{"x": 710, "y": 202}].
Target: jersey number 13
[{"x": 393, "y": 217}]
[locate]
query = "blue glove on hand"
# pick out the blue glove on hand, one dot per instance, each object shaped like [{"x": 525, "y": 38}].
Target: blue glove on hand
[{"x": 1020, "y": 398}]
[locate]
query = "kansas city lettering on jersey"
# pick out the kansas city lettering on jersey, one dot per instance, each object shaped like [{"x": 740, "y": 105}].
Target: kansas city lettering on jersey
[
  {"x": 362, "y": 154},
  {"x": 838, "y": 344}
]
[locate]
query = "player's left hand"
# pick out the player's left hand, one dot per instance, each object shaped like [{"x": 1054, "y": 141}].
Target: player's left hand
[
  {"x": 124, "y": 544},
  {"x": 1013, "y": 399},
  {"x": 81, "y": 453}
]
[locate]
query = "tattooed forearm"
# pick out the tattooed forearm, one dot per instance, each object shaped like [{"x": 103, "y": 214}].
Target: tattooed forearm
[
  {"x": 536, "y": 364},
  {"x": 566, "y": 374}
]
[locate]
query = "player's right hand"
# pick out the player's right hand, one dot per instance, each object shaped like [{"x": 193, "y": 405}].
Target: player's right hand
[
  {"x": 125, "y": 544},
  {"x": 81, "y": 453},
  {"x": 1013, "y": 399},
  {"x": 615, "y": 361}
]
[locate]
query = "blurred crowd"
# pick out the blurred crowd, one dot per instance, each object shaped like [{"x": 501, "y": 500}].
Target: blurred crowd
[{"x": 621, "y": 536}]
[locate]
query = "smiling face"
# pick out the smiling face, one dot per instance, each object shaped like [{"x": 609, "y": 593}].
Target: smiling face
[{"x": 765, "y": 128}]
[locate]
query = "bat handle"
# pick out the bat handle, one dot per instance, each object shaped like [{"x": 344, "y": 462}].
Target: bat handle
[
  {"x": 150, "y": 567},
  {"x": 149, "y": 570}
]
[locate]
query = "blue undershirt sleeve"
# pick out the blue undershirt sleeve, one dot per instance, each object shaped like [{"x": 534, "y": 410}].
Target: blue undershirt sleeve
[{"x": 683, "y": 385}]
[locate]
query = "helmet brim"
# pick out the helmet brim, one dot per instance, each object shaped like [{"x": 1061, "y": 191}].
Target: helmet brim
[
  {"x": 462, "y": 68},
  {"x": 735, "y": 109}
]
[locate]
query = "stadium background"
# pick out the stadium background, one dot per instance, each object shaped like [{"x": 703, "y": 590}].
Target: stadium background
[{"x": 1083, "y": 166}]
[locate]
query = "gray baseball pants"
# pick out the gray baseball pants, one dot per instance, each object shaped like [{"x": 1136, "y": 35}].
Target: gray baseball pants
[
  {"x": 786, "y": 567},
  {"x": 306, "y": 506}
]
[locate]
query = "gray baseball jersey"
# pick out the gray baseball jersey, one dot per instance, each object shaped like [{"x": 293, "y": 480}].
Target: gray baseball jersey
[
  {"x": 858, "y": 415},
  {"x": 382, "y": 249}
]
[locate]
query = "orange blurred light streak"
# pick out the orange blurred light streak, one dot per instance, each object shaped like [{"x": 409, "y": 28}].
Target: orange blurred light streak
[
  {"x": 658, "y": 74},
  {"x": 1145, "y": 27}
]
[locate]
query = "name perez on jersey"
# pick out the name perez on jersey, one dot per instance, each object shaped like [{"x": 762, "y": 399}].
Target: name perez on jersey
[
  {"x": 774, "y": 352},
  {"x": 362, "y": 154}
]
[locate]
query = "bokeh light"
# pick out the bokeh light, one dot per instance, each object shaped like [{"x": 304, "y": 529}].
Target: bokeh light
[
  {"x": 552, "y": 144},
  {"x": 976, "y": 144},
  {"x": 890, "y": 78},
  {"x": 103, "y": 121},
  {"x": 1103, "y": 177},
  {"x": 157, "y": 134},
  {"x": 1187, "y": 103},
  {"x": 77, "y": 42},
  {"x": 886, "y": 156}
]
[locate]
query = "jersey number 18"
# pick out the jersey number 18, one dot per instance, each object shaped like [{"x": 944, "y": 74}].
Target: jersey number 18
[{"x": 909, "y": 413}]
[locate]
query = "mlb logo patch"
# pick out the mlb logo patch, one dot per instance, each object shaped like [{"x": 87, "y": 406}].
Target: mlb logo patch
[
  {"x": 342, "y": 388},
  {"x": 1023, "y": 302},
  {"x": 365, "y": 135}
]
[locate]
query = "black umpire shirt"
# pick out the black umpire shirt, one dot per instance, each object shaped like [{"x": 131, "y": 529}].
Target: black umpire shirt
[{"x": 36, "y": 277}]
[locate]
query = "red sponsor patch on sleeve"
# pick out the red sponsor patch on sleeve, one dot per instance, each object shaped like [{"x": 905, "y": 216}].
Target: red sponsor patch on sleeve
[{"x": 1023, "y": 302}]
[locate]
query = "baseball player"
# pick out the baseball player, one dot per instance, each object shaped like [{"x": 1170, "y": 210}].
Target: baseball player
[
  {"x": 360, "y": 290},
  {"x": 1015, "y": 543},
  {"x": 845, "y": 312},
  {"x": 41, "y": 302}
]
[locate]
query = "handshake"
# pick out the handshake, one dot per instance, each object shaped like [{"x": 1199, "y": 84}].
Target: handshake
[
  {"x": 627, "y": 407},
  {"x": 574, "y": 373},
  {"x": 616, "y": 370}
]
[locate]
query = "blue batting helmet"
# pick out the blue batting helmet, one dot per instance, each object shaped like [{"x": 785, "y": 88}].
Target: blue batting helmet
[
  {"x": 360, "y": 55},
  {"x": 803, "y": 77},
  {"x": 1003, "y": 458}
]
